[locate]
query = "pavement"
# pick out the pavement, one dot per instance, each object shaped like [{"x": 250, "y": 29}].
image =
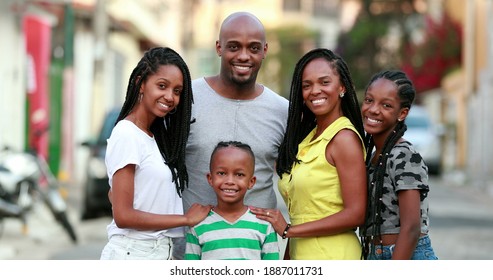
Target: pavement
[
  {"x": 461, "y": 219},
  {"x": 461, "y": 227}
]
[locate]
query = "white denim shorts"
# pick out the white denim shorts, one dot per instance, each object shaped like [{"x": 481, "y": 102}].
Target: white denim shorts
[{"x": 120, "y": 247}]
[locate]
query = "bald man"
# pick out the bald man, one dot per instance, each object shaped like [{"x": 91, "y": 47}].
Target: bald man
[{"x": 234, "y": 106}]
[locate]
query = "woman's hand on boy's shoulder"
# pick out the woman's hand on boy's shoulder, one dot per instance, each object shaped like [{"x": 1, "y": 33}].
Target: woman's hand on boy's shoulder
[{"x": 197, "y": 213}]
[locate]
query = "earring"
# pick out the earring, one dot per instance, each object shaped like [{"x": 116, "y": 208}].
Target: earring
[
  {"x": 400, "y": 120},
  {"x": 342, "y": 94},
  {"x": 140, "y": 96},
  {"x": 172, "y": 111}
]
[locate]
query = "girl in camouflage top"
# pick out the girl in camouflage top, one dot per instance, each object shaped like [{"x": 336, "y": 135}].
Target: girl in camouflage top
[{"x": 397, "y": 222}]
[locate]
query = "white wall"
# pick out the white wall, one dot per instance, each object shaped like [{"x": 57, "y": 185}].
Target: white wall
[{"x": 12, "y": 79}]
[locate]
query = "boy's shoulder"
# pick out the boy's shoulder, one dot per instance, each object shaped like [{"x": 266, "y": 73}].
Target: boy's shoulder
[
  {"x": 248, "y": 216},
  {"x": 254, "y": 218}
]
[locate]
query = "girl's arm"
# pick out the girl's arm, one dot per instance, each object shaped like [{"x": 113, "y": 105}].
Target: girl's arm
[{"x": 409, "y": 211}]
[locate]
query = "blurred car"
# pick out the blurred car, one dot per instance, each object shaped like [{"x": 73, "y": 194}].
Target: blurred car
[
  {"x": 96, "y": 203},
  {"x": 425, "y": 135}
]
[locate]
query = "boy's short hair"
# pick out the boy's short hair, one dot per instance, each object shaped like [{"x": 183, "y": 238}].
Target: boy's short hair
[{"x": 237, "y": 144}]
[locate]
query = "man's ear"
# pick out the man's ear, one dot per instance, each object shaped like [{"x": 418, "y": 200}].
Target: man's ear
[{"x": 218, "y": 48}]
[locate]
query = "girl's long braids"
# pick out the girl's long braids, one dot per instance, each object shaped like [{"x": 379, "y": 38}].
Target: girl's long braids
[
  {"x": 301, "y": 120},
  {"x": 406, "y": 92},
  {"x": 171, "y": 131}
]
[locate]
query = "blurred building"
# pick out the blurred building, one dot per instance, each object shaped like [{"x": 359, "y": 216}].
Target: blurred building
[
  {"x": 90, "y": 48},
  {"x": 66, "y": 63},
  {"x": 468, "y": 94}
]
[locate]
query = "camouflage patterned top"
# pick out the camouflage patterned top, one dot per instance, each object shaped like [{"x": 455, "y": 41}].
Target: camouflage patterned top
[{"x": 406, "y": 170}]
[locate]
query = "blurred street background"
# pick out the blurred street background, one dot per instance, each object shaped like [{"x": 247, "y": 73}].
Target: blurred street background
[{"x": 65, "y": 67}]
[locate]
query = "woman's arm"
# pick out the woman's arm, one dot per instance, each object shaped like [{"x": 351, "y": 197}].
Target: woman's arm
[
  {"x": 345, "y": 151},
  {"x": 286, "y": 252}
]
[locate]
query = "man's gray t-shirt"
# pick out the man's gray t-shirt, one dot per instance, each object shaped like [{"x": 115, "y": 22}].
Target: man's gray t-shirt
[{"x": 259, "y": 122}]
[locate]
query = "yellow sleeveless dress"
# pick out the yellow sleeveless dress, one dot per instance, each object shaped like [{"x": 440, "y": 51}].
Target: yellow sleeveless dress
[{"x": 312, "y": 191}]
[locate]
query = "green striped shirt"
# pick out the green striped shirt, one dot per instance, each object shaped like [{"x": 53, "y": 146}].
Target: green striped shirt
[{"x": 248, "y": 238}]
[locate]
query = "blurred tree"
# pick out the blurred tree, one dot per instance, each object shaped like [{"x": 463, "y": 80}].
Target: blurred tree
[
  {"x": 392, "y": 34},
  {"x": 286, "y": 46},
  {"x": 369, "y": 46},
  {"x": 439, "y": 53}
]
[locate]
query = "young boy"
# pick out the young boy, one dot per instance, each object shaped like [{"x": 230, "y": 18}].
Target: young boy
[{"x": 231, "y": 231}]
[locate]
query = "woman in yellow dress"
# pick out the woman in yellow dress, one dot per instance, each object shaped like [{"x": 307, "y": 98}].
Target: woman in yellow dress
[{"x": 321, "y": 163}]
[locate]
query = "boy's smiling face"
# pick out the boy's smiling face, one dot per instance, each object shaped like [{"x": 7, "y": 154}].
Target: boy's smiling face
[{"x": 231, "y": 174}]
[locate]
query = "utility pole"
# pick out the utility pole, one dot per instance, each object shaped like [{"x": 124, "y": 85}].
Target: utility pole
[
  {"x": 486, "y": 95},
  {"x": 469, "y": 70},
  {"x": 100, "y": 29}
]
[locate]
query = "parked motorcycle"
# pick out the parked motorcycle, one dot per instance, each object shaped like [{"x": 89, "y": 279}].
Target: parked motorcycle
[
  {"x": 9, "y": 210},
  {"x": 26, "y": 178}
]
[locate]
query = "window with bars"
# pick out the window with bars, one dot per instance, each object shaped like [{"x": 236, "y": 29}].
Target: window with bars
[
  {"x": 323, "y": 8},
  {"x": 291, "y": 5}
]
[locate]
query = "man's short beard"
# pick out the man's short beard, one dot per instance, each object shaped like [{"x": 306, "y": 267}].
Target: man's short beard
[{"x": 242, "y": 82}]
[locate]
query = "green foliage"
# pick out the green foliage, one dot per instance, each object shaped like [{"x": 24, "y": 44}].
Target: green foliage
[
  {"x": 362, "y": 49},
  {"x": 369, "y": 46},
  {"x": 286, "y": 46},
  {"x": 365, "y": 31}
]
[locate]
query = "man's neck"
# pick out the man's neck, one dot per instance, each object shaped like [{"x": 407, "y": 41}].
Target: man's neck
[{"x": 234, "y": 91}]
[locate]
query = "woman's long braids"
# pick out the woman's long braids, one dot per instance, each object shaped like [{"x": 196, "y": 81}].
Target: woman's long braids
[
  {"x": 171, "y": 131},
  {"x": 373, "y": 220},
  {"x": 301, "y": 120}
]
